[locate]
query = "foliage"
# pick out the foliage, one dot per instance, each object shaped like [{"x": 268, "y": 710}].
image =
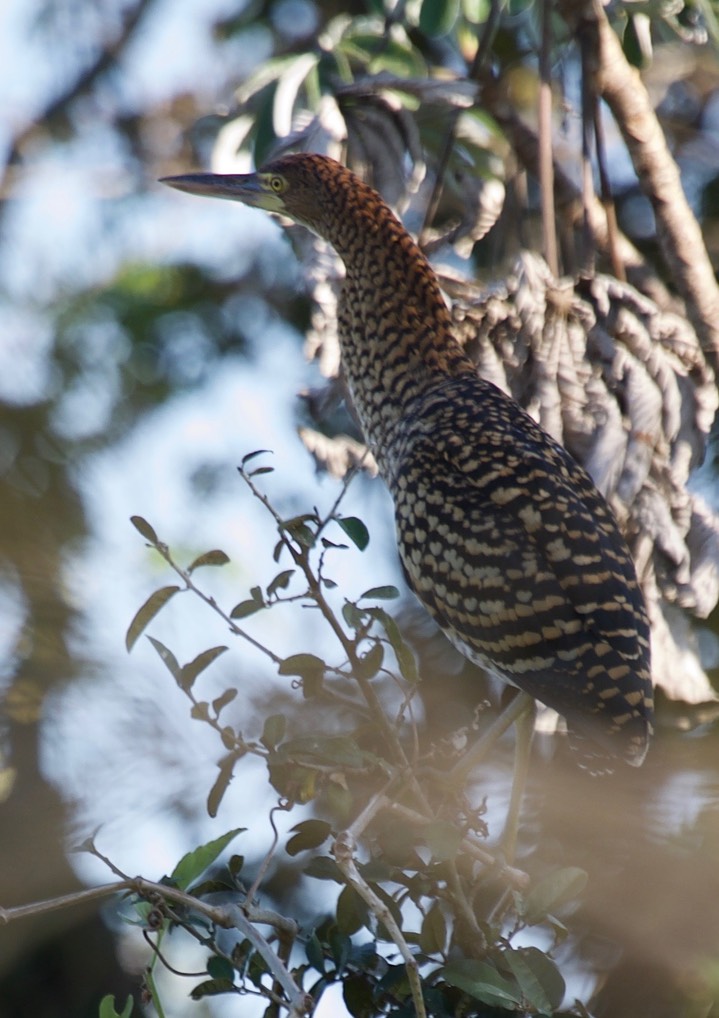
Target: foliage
[{"x": 421, "y": 910}]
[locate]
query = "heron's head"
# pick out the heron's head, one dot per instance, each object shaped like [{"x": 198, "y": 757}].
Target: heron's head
[{"x": 297, "y": 186}]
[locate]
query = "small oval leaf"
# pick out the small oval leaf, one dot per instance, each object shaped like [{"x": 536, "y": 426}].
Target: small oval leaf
[
  {"x": 216, "y": 557},
  {"x": 147, "y": 613},
  {"x": 143, "y": 527},
  {"x": 280, "y": 582},
  {"x": 386, "y": 593},
  {"x": 252, "y": 455},
  {"x": 355, "y": 530},
  {"x": 306, "y": 665},
  {"x": 309, "y": 834},
  {"x": 273, "y": 730},
  {"x": 190, "y": 671}
]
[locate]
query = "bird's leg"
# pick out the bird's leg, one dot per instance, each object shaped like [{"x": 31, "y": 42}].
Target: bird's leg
[
  {"x": 519, "y": 706},
  {"x": 524, "y": 725}
]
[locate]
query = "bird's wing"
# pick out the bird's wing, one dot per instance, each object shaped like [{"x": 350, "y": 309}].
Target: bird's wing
[{"x": 509, "y": 545}]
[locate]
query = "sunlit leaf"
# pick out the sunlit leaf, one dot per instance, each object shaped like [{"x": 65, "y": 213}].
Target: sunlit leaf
[
  {"x": 107, "y": 1008},
  {"x": 190, "y": 671},
  {"x": 146, "y": 614},
  {"x": 216, "y": 557},
  {"x": 143, "y": 527},
  {"x": 355, "y": 530},
  {"x": 194, "y": 863}
]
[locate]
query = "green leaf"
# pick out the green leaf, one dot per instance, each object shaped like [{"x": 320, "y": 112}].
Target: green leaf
[
  {"x": 212, "y": 988},
  {"x": 168, "y": 659},
  {"x": 273, "y": 730},
  {"x": 280, "y": 582},
  {"x": 190, "y": 671},
  {"x": 358, "y": 996},
  {"x": 261, "y": 470},
  {"x": 308, "y": 666},
  {"x": 315, "y": 955},
  {"x": 147, "y": 613},
  {"x": 355, "y": 530},
  {"x": 354, "y": 617},
  {"x": 297, "y": 528},
  {"x": 352, "y": 911},
  {"x": 194, "y": 863},
  {"x": 370, "y": 664},
  {"x": 322, "y": 867},
  {"x": 107, "y": 1008},
  {"x": 222, "y": 781},
  {"x": 252, "y": 455},
  {"x": 310, "y": 834},
  {"x": 216, "y": 557},
  {"x": 539, "y": 979},
  {"x": 556, "y": 889},
  {"x": 433, "y": 934},
  {"x": 221, "y": 701},
  {"x": 405, "y": 657},
  {"x": 329, "y": 749},
  {"x": 387, "y": 593},
  {"x": 442, "y": 839},
  {"x": 438, "y": 16},
  {"x": 341, "y": 947},
  {"x": 246, "y": 608},
  {"x": 253, "y": 604},
  {"x": 148, "y": 532},
  {"x": 481, "y": 981},
  {"x": 220, "y": 968}
]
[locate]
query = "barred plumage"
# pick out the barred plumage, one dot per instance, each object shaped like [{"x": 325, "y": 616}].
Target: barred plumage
[{"x": 502, "y": 535}]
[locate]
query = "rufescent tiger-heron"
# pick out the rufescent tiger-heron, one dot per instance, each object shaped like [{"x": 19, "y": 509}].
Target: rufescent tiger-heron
[{"x": 502, "y": 535}]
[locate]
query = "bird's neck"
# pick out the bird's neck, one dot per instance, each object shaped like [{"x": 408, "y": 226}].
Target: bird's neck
[{"x": 395, "y": 329}]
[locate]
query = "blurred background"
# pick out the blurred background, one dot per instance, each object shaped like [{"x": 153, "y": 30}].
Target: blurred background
[{"x": 148, "y": 341}]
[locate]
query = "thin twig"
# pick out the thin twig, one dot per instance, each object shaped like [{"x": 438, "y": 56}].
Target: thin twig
[
  {"x": 546, "y": 162},
  {"x": 483, "y": 47},
  {"x": 343, "y": 851}
]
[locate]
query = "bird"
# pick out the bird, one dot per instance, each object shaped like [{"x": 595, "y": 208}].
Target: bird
[{"x": 501, "y": 534}]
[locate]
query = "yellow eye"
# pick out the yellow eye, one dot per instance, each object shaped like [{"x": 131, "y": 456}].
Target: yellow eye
[{"x": 277, "y": 184}]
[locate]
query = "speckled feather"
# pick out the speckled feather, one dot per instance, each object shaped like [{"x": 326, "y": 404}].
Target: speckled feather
[{"x": 502, "y": 536}]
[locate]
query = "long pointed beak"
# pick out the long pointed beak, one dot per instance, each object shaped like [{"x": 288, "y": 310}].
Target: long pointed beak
[{"x": 244, "y": 187}]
